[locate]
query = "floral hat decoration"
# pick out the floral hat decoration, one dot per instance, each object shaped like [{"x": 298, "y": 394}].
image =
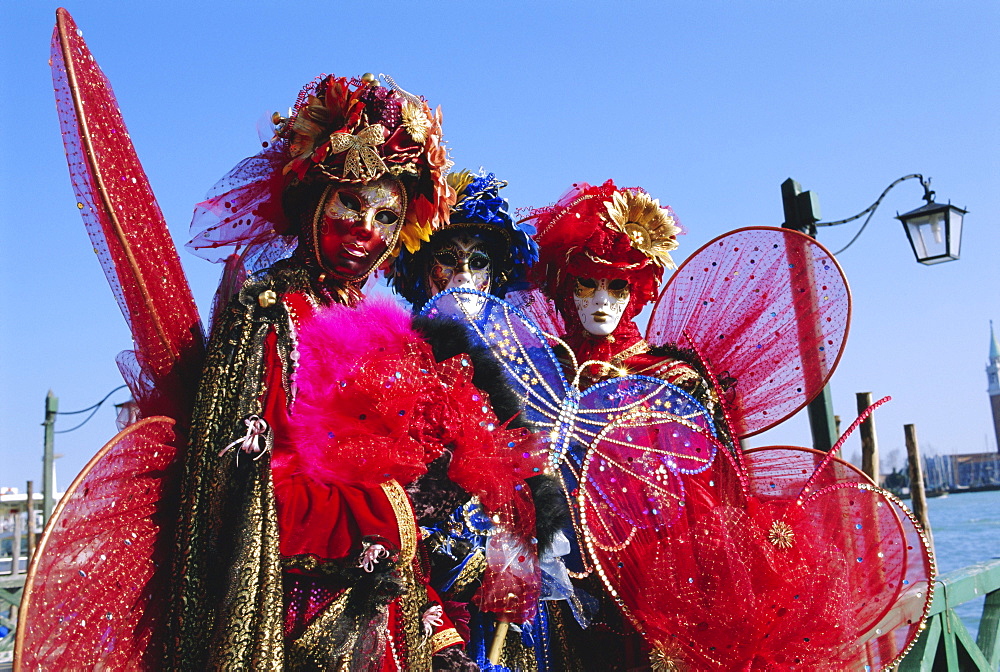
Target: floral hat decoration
[
  {"x": 481, "y": 210},
  {"x": 604, "y": 231},
  {"x": 339, "y": 131}
]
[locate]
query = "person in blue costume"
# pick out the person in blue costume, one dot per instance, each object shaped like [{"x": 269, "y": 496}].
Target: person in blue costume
[{"x": 482, "y": 249}]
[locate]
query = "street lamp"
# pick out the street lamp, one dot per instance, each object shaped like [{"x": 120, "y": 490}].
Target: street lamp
[{"x": 934, "y": 232}]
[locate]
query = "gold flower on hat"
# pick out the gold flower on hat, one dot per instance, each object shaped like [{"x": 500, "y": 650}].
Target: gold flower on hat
[
  {"x": 361, "y": 159},
  {"x": 652, "y": 230},
  {"x": 415, "y": 121}
]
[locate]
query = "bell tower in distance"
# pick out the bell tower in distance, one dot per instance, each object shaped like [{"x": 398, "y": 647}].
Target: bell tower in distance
[{"x": 993, "y": 376}]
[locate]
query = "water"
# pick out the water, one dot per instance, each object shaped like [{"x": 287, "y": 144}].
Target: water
[{"x": 966, "y": 530}]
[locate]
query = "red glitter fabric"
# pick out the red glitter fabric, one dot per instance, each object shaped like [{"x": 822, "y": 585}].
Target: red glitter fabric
[
  {"x": 779, "y": 558},
  {"x": 305, "y": 598},
  {"x": 766, "y": 308},
  {"x": 95, "y": 595},
  {"x": 795, "y": 561},
  {"x": 127, "y": 230}
]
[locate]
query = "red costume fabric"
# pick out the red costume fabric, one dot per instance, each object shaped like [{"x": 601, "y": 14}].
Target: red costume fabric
[
  {"x": 330, "y": 463},
  {"x": 781, "y": 558}
]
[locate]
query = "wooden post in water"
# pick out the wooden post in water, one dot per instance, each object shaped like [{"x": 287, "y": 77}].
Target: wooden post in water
[
  {"x": 869, "y": 444},
  {"x": 918, "y": 500},
  {"x": 30, "y": 506},
  {"x": 15, "y": 548},
  {"x": 48, "y": 457}
]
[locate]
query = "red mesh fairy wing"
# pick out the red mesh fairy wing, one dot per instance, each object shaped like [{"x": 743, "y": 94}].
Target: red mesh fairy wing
[
  {"x": 126, "y": 227},
  {"x": 800, "y": 563},
  {"x": 766, "y": 307},
  {"x": 540, "y": 309},
  {"x": 94, "y": 597},
  {"x": 863, "y": 570}
]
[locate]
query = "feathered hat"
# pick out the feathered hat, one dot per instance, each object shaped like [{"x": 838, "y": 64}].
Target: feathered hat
[
  {"x": 479, "y": 209},
  {"x": 340, "y": 131},
  {"x": 604, "y": 232}
]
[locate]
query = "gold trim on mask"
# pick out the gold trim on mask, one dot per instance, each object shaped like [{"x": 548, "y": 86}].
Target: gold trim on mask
[{"x": 391, "y": 245}]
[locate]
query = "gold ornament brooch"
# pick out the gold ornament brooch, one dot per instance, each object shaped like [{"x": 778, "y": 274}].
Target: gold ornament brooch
[{"x": 652, "y": 230}]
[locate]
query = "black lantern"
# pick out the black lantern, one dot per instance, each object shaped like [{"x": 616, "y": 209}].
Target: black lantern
[{"x": 934, "y": 230}]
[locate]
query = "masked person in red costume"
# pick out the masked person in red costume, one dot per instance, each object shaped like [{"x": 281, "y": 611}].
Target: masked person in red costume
[
  {"x": 322, "y": 419},
  {"x": 602, "y": 253}
]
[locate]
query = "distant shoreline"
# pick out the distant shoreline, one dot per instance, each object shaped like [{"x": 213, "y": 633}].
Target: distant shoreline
[{"x": 951, "y": 491}]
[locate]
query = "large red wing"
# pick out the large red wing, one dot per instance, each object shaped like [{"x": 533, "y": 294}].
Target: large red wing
[
  {"x": 95, "y": 595},
  {"x": 767, "y": 308},
  {"x": 126, "y": 225},
  {"x": 876, "y": 565},
  {"x": 756, "y": 578}
]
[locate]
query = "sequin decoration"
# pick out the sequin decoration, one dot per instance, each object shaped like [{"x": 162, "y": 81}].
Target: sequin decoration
[
  {"x": 769, "y": 308},
  {"x": 781, "y": 534}
]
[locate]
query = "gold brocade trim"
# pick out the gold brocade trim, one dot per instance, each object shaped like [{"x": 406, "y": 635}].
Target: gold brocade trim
[
  {"x": 414, "y": 651},
  {"x": 405, "y": 518},
  {"x": 312, "y": 564},
  {"x": 516, "y": 656},
  {"x": 640, "y": 347},
  {"x": 559, "y": 641},
  {"x": 314, "y": 648},
  {"x": 471, "y": 572},
  {"x": 228, "y": 615},
  {"x": 616, "y": 365},
  {"x": 444, "y": 639}
]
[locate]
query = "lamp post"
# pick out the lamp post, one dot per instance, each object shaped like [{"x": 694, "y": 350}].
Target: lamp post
[
  {"x": 935, "y": 234},
  {"x": 934, "y": 230}
]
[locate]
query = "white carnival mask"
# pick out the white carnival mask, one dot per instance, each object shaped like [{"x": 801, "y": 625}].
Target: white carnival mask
[
  {"x": 461, "y": 262},
  {"x": 600, "y": 303}
]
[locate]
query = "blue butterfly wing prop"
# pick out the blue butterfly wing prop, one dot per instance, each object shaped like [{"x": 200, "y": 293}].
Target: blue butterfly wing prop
[
  {"x": 522, "y": 349},
  {"x": 621, "y": 436}
]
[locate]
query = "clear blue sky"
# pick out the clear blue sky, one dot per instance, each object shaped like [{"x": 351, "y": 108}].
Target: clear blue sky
[{"x": 708, "y": 105}]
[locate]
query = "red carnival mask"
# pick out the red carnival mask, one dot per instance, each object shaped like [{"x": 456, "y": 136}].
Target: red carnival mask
[{"x": 356, "y": 226}]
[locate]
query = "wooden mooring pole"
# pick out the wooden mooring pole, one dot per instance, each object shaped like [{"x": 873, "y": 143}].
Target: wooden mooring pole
[
  {"x": 48, "y": 457},
  {"x": 869, "y": 444},
  {"x": 918, "y": 499},
  {"x": 15, "y": 548},
  {"x": 30, "y": 506}
]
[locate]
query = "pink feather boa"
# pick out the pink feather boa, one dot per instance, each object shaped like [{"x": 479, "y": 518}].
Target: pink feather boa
[
  {"x": 372, "y": 404},
  {"x": 338, "y": 417},
  {"x": 337, "y": 338}
]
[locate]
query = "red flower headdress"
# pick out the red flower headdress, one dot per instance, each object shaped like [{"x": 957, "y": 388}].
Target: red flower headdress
[
  {"x": 340, "y": 130},
  {"x": 603, "y": 232}
]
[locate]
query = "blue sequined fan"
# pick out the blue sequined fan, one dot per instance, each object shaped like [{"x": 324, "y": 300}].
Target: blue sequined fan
[{"x": 635, "y": 429}]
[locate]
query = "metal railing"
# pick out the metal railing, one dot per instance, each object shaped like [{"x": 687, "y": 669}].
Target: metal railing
[
  {"x": 11, "y": 586},
  {"x": 945, "y": 643}
]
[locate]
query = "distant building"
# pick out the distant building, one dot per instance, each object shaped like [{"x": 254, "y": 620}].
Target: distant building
[
  {"x": 960, "y": 472},
  {"x": 993, "y": 378},
  {"x": 972, "y": 470}
]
